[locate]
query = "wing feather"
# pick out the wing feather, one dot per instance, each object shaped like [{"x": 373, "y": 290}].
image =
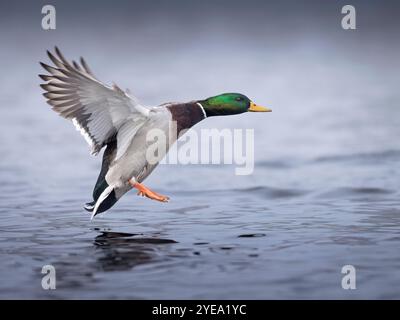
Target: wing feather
[{"x": 97, "y": 111}]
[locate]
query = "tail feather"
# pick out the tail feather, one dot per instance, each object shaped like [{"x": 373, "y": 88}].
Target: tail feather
[
  {"x": 101, "y": 184},
  {"x": 106, "y": 200},
  {"x": 108, "y": 157},
  {"x": 89, "y": 206}
]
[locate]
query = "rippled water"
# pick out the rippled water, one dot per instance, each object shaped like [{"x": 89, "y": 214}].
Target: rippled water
[
  {"x": 324, "y": 193},
  {"x": 210, "y": 241}
]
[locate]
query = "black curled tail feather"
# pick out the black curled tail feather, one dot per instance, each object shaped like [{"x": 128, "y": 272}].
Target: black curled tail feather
[
  {"x": 89, "y": 206},
  {"x": 101, "y": 183},
  {"x": 108, "y": 157}
]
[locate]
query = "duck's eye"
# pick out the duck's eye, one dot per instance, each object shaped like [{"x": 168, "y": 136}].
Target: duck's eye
[{"x": 239, "y": 99}]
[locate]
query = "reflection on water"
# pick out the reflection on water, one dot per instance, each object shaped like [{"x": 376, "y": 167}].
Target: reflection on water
[{"x": 123, "y": 251}]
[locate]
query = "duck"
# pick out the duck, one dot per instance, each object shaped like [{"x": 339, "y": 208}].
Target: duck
[{"x": 111, "y": 118}]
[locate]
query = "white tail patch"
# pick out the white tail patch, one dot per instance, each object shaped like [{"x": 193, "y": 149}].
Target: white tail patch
[{"x": 102, "y": 197}]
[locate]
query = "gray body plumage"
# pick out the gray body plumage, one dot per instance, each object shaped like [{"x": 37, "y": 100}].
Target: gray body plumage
[{"x": 133, "y": 164}]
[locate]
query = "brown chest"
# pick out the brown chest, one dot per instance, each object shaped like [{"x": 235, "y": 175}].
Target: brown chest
[{"x": 186, "y": 115}]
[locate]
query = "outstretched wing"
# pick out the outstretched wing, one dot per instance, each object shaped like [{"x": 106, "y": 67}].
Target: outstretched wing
[{"x": 97, "y": 110}]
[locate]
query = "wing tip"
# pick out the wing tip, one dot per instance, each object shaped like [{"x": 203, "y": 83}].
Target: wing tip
[
  {"x": 45, "y": 77},
  {"x": 44, "y": 86}
]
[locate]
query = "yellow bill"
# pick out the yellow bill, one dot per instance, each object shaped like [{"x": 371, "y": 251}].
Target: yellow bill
[{"x": 256, "y": 108}]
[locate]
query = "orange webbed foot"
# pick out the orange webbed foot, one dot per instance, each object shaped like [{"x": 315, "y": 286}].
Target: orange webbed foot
[{"x": 146, "y": 192}]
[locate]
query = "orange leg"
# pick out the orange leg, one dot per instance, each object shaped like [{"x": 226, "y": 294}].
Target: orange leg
[{"x": 146, "y": 192}]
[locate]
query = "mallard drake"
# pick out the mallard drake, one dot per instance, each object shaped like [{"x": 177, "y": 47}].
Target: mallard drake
[{"x": 109, "y": 117}]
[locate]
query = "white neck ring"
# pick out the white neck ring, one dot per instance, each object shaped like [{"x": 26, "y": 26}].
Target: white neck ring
[{"x": 202, "y": 109}]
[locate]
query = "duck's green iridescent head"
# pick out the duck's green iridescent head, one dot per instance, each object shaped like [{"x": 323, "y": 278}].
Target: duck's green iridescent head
[{"x": 229, "y": 104}]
